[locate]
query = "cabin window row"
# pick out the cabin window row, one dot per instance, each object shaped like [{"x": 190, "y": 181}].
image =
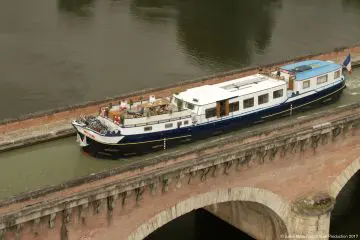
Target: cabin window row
[
  {"x": 168, "y": 125},
  {"x": 262, "y": 99},
  {"x": 320, "y": 80},
  {"x": 247, "y": 103}
]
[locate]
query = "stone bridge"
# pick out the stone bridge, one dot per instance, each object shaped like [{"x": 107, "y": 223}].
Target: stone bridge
[{"x": 271, "y": 181}]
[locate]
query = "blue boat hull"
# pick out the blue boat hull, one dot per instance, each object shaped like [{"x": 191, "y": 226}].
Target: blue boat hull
[{"x": 150, "y": 142}]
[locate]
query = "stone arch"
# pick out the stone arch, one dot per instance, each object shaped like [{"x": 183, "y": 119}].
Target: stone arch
[
  {"x": 277, "y": 204},
  {"x": 344, "y": 177}
]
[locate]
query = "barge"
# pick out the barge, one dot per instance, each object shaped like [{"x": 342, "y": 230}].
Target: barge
[{"x": 133, "y": 128}]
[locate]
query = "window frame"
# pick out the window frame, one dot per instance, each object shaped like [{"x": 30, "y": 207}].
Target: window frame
[
  {"x": 266, "y": 98},
  {"x": 320, "y": 81},
  {"x": 190, "y": 106},
  {"x": 169, "y": 125},
  {"x": 209, "y": 110},
  {"x": 303, "y": 84},
  {"x": 147, "y": 128},
  {"x": 212, "y": 110},
  {"x": 234, "y": 106},
  {"x": 253, "y": 103},
  {"x": 279, "y": 90}
]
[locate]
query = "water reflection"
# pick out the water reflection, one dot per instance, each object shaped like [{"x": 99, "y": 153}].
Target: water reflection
[
  {"x": 351, "y": 4},
  {"x": 225, "y": 32},
  {"x": 81, "y": 8},
  {"x": 154, "y": 10}
]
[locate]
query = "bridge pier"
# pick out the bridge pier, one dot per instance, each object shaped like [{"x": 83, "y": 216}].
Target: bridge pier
[{"x": 310, "y": 216}]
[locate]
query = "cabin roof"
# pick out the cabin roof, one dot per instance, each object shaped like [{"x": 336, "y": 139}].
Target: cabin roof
[
  {"x": 238, "y": 87},
  {"x": 205, "y": 94},
  {"x": 250, "y": 84},
  {"x": 261, "y": 86},
  {"x": 310, "y": 68}
]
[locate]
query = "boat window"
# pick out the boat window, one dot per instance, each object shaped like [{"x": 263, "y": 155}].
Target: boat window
[
  {"x": 337, "y": 74},
  {"x": 233, "y": 107},
  {"x": 278, "y": 93},
  {"x": 248, "y": 102},
  {"x": 322, "y": 79},
  {"x": 186, "y": 122},
  {"x": 147, "y": 128},
  {"x": 306, "y": 84},
  {"x": 179, "y": 104},
  {"x": 210, "y": 112},
  {"x": 190, "y": 106},
  {"x": 263, "y": 98},
  {"x": 169, "y": 125}
]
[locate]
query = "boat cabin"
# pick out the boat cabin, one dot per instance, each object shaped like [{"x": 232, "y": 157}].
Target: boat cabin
[
  {"x": 309, "y": 75},
  {"x": 235, "y": 97}
]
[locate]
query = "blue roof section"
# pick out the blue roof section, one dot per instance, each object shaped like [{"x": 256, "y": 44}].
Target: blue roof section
[{"x": 310, "y": 68}]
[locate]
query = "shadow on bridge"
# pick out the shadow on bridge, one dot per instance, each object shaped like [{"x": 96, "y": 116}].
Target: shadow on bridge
[
  {"x": 196, "y": 225},
  {"x": 345, "y": 216},
  {"x": 257, "y": 212}
]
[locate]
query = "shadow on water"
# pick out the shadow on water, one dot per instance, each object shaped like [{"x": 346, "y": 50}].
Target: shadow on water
[
  {"x": 154, "y": 11},
  {"x": 346, "y": 214},
  {"x": 197, "y": 225},
  {"x": 226, "y": 33},
  {"x": 82, "y": 8},
  {"x": 351, "y": 4}
]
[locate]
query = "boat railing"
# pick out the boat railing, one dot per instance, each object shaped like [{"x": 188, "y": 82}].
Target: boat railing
[
  {"x": 272, "y": 75},
  {"x": 157, "y": 122},
  {"x": 201, "y": 118},
  {"x": 145, "y": 121}
]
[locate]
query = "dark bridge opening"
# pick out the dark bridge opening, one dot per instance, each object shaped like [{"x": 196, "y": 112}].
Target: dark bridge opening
[
  {"x": 345, "y": 216},
  {"x": 196, "y": 225}
]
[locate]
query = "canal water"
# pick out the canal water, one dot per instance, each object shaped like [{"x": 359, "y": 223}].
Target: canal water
[{"x": 55, "y": 53}]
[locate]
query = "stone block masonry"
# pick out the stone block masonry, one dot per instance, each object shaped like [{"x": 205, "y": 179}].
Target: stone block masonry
[
  {"x": 45, "y": 126},
  {"x": 290, "y": 170}
]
